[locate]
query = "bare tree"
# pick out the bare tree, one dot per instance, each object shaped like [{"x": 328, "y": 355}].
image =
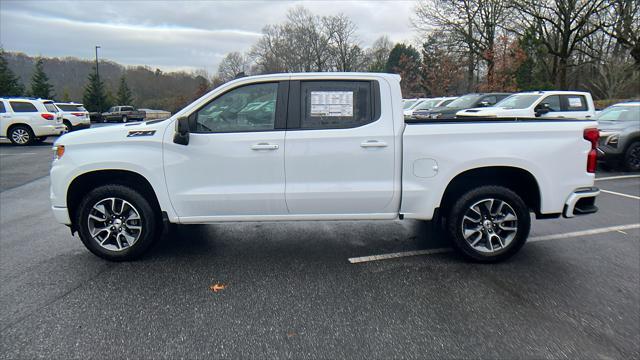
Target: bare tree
[
  {"x": 562, "y": 25},
  {"x": 622, "y": 22},
  {"x": 231, "y": 66},
  {"x": 378, "y": 54},
  {"x": 345, "y": 47}
]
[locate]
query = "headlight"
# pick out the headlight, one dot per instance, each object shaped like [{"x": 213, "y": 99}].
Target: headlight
[
  {"x": 58, "y": 152},
  {"x": 612, "y": 140}
]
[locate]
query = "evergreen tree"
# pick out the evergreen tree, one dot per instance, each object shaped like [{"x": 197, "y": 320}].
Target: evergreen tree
[
  {"x": 399, "y": 51},
  {"x": 95, "y": 96},
  {"x": 124, "y": 96},
  {"x": 9, "y": 83},
  {"x": 40, "y": 86}
]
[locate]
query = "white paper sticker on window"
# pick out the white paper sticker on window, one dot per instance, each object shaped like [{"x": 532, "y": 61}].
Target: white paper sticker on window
[
  {"x": 575, "y": 102},
  {"x": 332, "y": 103}
]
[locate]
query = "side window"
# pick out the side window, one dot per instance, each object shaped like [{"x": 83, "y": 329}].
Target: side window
[
  {"x": 335, "y": 104},
  {"x": 553, "y": 102},
  {"x": 21, "y": 106},
  {"x": 492, "y": 100},
  {"x": 247, "y": 108},
  {"x": 574, "y": 103},
  {"x": 2, "y": 110}
]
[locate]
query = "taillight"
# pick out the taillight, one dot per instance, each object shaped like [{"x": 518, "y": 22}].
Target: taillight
[
  {"x": 592, "y": 135},
  {"x": 48, "y": 116},
  {"x": 77, "y": 114}
]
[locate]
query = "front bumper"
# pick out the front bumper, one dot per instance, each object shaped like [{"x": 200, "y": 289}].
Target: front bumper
[
  {"x": 61, "y": 214},
  {"x": 581, "y": 202}
]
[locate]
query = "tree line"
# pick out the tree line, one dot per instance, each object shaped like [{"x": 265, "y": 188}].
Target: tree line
[
  {"x": 71, "y": 79},
  {"x": 467, "y": 45}
]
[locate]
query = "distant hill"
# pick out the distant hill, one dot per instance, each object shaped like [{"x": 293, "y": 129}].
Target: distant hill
[{"x": 151, "y": 88}]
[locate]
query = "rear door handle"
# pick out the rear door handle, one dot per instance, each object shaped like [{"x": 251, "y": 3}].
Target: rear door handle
[
  {"x": 264, "y": 146},
  {"x": 373, "y": 144}
]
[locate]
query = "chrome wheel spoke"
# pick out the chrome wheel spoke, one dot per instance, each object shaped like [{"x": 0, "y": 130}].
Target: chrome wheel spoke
[
  {"x": 114, "y": 223},
  {"x": 489, "y": 225}
]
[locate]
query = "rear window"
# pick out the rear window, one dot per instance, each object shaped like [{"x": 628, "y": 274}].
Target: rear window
[
  {"x": 51, "y": 107},
  {"x": 336, "y": 104},
  {"x": 126, "y": 108},
  {"x": 71, "y": 107},
  {"x": 21, "y": 106}
]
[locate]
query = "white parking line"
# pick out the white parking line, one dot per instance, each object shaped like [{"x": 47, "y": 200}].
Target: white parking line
[
  {"x": 620, "y": 194},
  {"x": 19, "y": 154},
  {"x": 618, "y": 228},
  {"x": 617, "y": 177}
]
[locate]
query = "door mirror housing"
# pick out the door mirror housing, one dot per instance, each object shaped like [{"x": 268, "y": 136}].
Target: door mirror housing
[
  {"x": 181, "y": 135},
  {"x": 542, "y": 109}
]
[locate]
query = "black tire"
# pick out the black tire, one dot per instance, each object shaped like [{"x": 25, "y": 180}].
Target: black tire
[
  {"x": 455, "y": 223},
  {"x": 632, "y": 157},
  {"x": 39, "y": 140},
  {"x": 21, "y": 135},
  {"x": 67, "y": 125},
  {"x": 149, "y": 220},
  {"x": 124, "y": 118}
]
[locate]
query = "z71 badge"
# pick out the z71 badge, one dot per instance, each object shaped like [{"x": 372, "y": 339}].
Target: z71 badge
[{"x": 135, "y": 133}]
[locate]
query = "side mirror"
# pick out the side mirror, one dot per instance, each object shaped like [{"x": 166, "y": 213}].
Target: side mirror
[
  {"x": 181, "y": 135},
  {"x": 542, "y": 109}
]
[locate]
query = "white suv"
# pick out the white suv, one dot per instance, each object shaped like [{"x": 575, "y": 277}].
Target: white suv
[
  {"x": 74, "y": 116},
  {"x": 28, "y": 120}
]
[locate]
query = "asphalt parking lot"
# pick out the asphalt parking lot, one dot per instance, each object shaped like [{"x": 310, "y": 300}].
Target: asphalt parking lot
[{"x": 291, "y": 291}]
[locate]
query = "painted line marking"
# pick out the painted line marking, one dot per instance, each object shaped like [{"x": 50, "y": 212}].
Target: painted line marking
[
  {"x": 28, "y": 153},
  {"x": 362, "y": 259},
  {"x": 618, "y": 177},
  {"x": 620, "y": 194},
  {"x": 618, "y": 228}
]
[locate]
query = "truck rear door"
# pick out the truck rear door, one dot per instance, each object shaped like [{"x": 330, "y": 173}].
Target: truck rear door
[{"x": 340, "y": 148}]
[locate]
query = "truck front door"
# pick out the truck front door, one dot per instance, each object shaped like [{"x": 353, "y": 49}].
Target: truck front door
[{"x": 234, "y": 162}]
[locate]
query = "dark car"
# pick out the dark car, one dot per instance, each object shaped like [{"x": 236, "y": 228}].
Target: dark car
[
  {"x": 123, "y": 114},
  {"x": 619, "y": 142},
  {"x": 463, "y": 102}
]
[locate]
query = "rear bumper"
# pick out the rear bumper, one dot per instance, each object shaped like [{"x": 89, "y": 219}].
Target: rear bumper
[
  {"x": 48, "y": 130},
  {"x": 581, "y": 202}
]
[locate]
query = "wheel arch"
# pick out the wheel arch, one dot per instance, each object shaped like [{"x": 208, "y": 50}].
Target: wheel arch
[
  {"x": 83, "y": 183},
  {"x": 10, "y": 127},
  {"x": 519, "y": 180}
]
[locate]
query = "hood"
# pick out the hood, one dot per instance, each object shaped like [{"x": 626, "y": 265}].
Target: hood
[
  {"x": 149, "y": 130},
  {"x": 617, "y": 125},
  {"x": 485, "y": 111}
]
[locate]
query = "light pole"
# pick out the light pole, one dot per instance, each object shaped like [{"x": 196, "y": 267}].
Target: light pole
[{"x": 98, "y": 78}]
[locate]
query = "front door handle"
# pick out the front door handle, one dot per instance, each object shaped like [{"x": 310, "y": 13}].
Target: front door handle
[
  {"x": 373, "y": 144},
  {"x": 264, "y": 146}
]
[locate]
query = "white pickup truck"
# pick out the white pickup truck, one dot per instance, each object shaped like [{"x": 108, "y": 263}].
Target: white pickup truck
[
  {"x": 320, "y": 146},
  {"x": 538, "y": 104}
]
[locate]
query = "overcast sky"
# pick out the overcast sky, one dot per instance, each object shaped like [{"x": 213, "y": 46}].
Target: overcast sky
[{"x": 174, "y": 35}]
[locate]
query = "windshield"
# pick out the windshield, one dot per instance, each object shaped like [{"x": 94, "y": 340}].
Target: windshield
[
  {"x": 620, "y": 113},
  {"x": 518, "y": 101},
  {"x": 70, "y": 107},
  {"x": 465, "y": 101},
  {"x": 428, "y": 104},
  {"x": 408, "y": 104}
]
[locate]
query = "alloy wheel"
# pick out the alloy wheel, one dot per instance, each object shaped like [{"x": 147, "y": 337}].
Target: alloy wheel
[
  {"x": 115, "y": 224},
  {"x": 20, "y": 136},
  {"x": 489, "y": 225}
]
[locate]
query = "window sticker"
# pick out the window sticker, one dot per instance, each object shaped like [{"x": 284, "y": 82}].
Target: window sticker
[
  {"x": 332, "y": 103},
  {"x": 575, "y": 102}
]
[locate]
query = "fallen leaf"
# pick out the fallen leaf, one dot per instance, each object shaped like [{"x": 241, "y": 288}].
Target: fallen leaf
[
  {"x": 291, "y": 334},
  {"x": 217, "y": 287}
]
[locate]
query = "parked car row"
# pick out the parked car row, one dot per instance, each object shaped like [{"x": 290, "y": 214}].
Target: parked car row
[{"x": 26, "y": 121}]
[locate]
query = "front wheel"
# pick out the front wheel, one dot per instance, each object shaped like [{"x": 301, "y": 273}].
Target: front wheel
[
  {"x": 125, "y": 118},
  {"x": 489, "y": 224},
  {"x": 632, "y": 157},
  {"x": 116, "y": 223}
]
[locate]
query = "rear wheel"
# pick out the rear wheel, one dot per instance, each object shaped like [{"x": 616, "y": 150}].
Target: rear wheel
[
  {"x": 632, "y": 157},
  {"x": 489, "y": 224},
  {"x": 116, "y": 223},
  {"x": 124, "y": 118},
  {"x": 67, "y": 126},
  {"x": 21, "y": 135}
]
